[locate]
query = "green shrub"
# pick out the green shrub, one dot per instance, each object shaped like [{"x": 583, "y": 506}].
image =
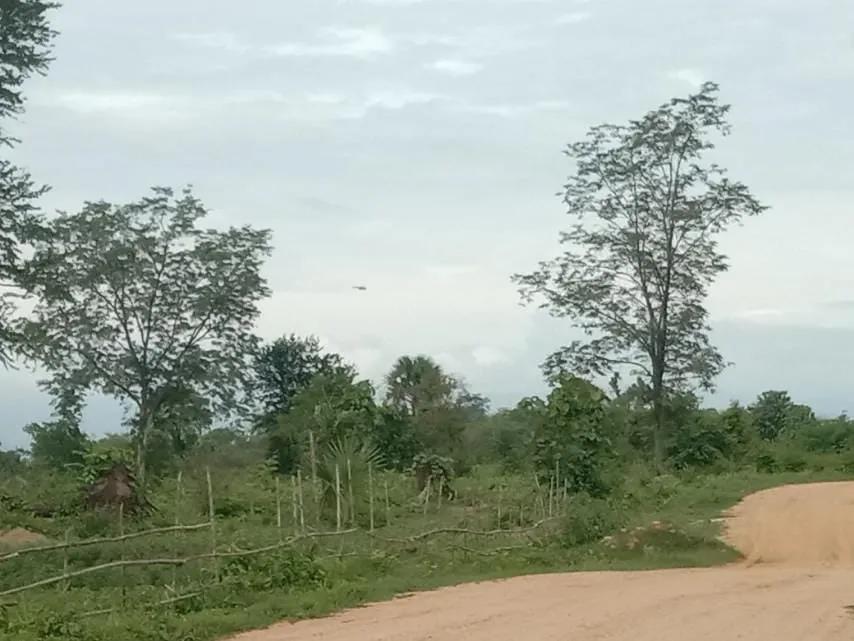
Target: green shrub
[
  {"x": 284, "y": 569},
  {"x": 793, "y": 461},
  {"x": 572, "y": 437},
  {"x": 834, "y": 436},
  {"x": 590, "y": 520}
]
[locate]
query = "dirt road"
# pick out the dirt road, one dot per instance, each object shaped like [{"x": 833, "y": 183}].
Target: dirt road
[{"x": 796, "y": 585}]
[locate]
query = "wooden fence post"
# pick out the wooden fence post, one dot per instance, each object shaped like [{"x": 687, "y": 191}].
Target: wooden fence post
[
  {"x": 123, "y": 557},
  {"x": 337, "y": 498},
  {"x": 540, "y": 495},
  {"x": 212, "y": 516},
  {"x": 301, "y": 504},
  {"x": 387, "y": 505},
  {"x": 279, "y": 508},
  {"x": 314, "y": 485},
  {"x": 371, "y": 496},
  {"x": 352, "y": 501},
  {"x": 427, "y": 494},
  {"x": 67, "y": 585},
  {"x": 177, "y": 523},
  {"x": 551, "y": 495}
]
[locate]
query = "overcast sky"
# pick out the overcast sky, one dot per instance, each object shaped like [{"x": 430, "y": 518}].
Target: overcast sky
[{"x": 414, "y": 147}]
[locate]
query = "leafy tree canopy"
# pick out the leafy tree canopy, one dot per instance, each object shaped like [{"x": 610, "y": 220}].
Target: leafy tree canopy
[
  {"x": 287, "y": 366},
  {"x": 638, "y": 263},
  {"x": 140, "y": 302},
  {"x": 25, "y": 47}
]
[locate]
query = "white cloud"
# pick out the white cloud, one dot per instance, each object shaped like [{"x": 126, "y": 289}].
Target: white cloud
[
  {"x": 330, "y": 41},
  {"x": 138, "y": 108},
  {"x": 214, "y": 40},
  {"x": 455, "y": 67},
  {"x": 326, "y": 98},
  {"x": 514, "y": 110},
  {"x": 338, "y": 41},
  {"x": 693, "y": 77},
  {"x": 398, "y": 99},
  {"x": 574, "y": 17},
  {"x": 91, "y": 102},
  {"x": 486, "y": 356}
]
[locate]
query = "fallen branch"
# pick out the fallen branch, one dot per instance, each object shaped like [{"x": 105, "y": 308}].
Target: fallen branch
[
  {"x": 455, "y": 530},
  {"x": 113, "y": 539},
  {"x": 169, "y": 601},
  {"x": 165, "y": 561},
  {"x": 492, "y": 552}
]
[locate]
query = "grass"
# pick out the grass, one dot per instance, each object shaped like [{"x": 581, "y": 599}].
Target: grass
[{"x": 654, "y": 523}]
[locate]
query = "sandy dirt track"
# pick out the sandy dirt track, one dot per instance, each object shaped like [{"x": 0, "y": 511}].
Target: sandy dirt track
[{"x": 796, "y": 585}]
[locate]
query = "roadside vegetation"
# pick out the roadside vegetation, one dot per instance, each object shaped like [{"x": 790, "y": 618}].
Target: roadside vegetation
[{"x": 257, "y": 480}]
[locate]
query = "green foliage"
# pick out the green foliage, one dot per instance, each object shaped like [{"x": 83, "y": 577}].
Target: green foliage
[
  {"x": 285, "y": 568},
  {"x": 344, "y": 467},
  {"x": 572, "y": 436},
  {"x": 416, "y": 384},
  {"x": 775, "y": 415},
  {"x": 286, "y": 367},
  {"x": 26, "y": 39},
  {"x": 439, "y": 407},
  {"x": 140, "y": 302},
  {"x": 589, "y": 520},
  {"x": 99, "y": 459},
  {"x": 833, "y": 436},
  {"x": 395, "y": 438},
  {"x": 436, "y": 470},
  {"x": 11, "y": 462},
  {"x": 707, "y": 437},
  {"x": 334, "y": 407},
  {"x": 638, "y": 264},
  {"x": 57, "y": 443}
]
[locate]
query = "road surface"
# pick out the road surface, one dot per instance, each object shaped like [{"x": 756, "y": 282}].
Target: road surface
[{"x": 796, "y": 584}]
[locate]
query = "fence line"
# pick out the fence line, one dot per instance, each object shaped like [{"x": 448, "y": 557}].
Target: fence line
[
  {"x": 215, "y": 555},
  {"x": 102, "y": 540},
  {"x": 166, "y": 561}
]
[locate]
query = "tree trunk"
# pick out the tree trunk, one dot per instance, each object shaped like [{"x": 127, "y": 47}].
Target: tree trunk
[
  {"x": 146, "y": 424},
  {"x": 658, "y": 411},
  {"x": 658, "y": 433}
]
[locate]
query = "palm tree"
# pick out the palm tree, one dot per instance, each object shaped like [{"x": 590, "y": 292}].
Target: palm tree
[{"x": 417, "y": 383}]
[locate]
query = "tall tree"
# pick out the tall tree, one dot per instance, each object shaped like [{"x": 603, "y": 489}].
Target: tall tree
[
  {"x": 25, "y": 48},
  {"x": 334, "y": 406},
  {"x": 417, "y": 383},
  {"x": 287, "y": 366},
  {"x": 639, "y": 261},
  {"x": 437, "y": 405},
  {"x": 774, "y": 414},
  {"x": 140, "y": 302}
]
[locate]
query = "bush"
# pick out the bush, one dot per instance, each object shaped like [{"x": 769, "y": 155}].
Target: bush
[
  {"x": 793, "y": 461},
  {"x": 590, "y": 520},
  {"x": 284, "y": 569},
  {"x": 572, "y": 437},
  {"x": 827, "y": 437}
]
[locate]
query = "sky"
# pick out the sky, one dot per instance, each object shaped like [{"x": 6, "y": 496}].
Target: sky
[{"x": 415, "y": 147}]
